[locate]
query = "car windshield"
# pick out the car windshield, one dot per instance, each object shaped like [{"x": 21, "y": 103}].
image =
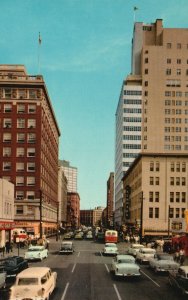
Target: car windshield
[
  {"x": 66, "y": 246},
  {"x": 111, "y": 246},
  {"x": 125, "y": 260},
  {"x": 34, "y": 249},
  {"x": 28, "y": 281}
]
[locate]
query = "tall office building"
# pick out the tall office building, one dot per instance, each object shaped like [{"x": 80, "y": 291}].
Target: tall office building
[
  {"x": 71, "y": 175},
  {"x": 29, "y": 143},
  {"x": 160, "y": 59}
]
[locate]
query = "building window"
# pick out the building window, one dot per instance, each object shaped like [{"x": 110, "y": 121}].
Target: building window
[
  {"x": 20, "y": 152},
  {"x": 183, "y": 167},
  {"x": 21, "y": 137},
  {"x": 178, "y": 71},
  {"x": 157, "y": 167},
  {"x": 6, "y": 166},
  {"x": 183, "y": 181},
  {"x": 22, "y": 94},
  {"x": 31, "y": 167},
  {"x": 183, "y": 197},
  {"x": 31, "y": 108},
  {"x": 171, "y": 196},
  {"x": 150, "y": 212},
  {"x": 152, "y": 166},
  {"x": 183, "y": 212},
  {"x": 19, "y": 209},
  {"x": 7, "y": 123},
  {"x": 177, "y": 212},
  {"x": 168, "y": 71},
  {"x": 168, "y": 60},
  {"x": 31, "y": 152},
  {"x": 19, "y": 166},
  {"x": 171, "y": 180},
  {"x": 178, "y": 197},
  {"x": 177, "y": 167},
  {"x": 31, "y": 138},
  {"x": 146, "y": 71},
  {"x": 32, "y": 94},
  {"x": 6, "y": 151},
  {"x": 20, "y": 123},
  {"x": 7, "y": 108},
  {"x": 20, "y": 108},
  {"x": 8, "y": 93},
  {"x": 156, "y": 212},
  {"x": 157, "y": 180},
  {"x": 19, "y": 195},
  {"x": 31, "y": 123},
  {"x": 7, "y": 137},
  {"x": 156, "y": 196},
  {"x": 169, "y": 45},
  {"x": 177, "y": 180},
  {"x": 150, "y": 196},
  {"x": 30, "y": 195},
  {"x": 30, "y": 181},
  {"x": 151, "y": 180},
  {"x": 19, "y": 180}
]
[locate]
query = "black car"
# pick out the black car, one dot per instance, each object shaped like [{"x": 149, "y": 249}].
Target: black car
[{"x": 13, "y": 265}]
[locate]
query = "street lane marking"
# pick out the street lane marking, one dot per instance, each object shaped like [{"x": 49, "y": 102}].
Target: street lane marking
[
  {"x": 65, "y": 291},
  {"x": 73, "y": 268},
  {"x": 150, "y": 278},
  {"x": 117, "y": 293},
  {"x": 107, "y": 268},
  {"x": 78, "y": 254}
]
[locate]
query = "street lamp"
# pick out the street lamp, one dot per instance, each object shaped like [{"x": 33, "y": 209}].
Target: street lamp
[{"x": 141, "y": 217}]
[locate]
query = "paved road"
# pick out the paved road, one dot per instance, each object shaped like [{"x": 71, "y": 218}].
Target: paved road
[{"x": 85, "y": 276}]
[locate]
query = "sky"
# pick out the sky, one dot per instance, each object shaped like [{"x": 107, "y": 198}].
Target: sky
[{"x": 84, "y": 57}]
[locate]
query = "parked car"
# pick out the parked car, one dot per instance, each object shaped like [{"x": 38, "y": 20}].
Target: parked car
[
  {"x": 144, "y": 254},
  {"x": 179, "y": 279},
  {"x": 125, "y": 266},
  {"x": 68, "y": 236},
  {"x": 134, "y": 248},
  {"x": 66, "y": 248},
  {"x": 110, "y": 249},
  {"x": 36, "y": 253},
  {"x": 34, "y": 283},
  {"x": 163, "y": 262},
  {"x": 3, "y": 276},
  {"x": 89, "y": 235},
  {"x": 78, "y": 236},
  {"x": 13, "y": 265}
]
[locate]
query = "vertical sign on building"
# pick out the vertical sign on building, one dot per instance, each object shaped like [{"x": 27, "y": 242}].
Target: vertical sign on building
[{"x": 127, "y": 201}]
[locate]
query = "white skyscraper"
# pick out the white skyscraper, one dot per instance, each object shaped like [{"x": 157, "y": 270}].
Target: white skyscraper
[{"x": 70, "y": 174}]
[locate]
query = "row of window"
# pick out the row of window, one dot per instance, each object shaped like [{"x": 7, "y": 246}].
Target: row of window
[
  {"x": 30, "y": 195},
  {"x": 173, "y": 181},
  {"x": 176, "y": 103},
  {"x": 130, "y": 155},
  {"x": 176, "y": 111},
  {"x": 21, "y": 137},
  {"x": 177, "y": 72},
  {"x": 133, "y": 93},
  {"x": 176, "y": 94},
  {"x": 174, "y": 197},
  {"x": 21, "y": 108},
  {"x": 21, "y": 123},
  {"x": 132, "y": 119},
  {"x": 11, "y": 93},
  {"x": 176, "y": 121},
  {"x": 20, "y": 180},
  {"x": 173, "y": 212},
  {"x": 178, "y": 61},
  {"x": 131, "y": 146},
  {"x": 132, "y": 110},
  {"x": 177, "y": 46},
  {"x": 132, "y": 128},
  {"x": 20, "y": 166},
  {"x": 174, "y": 166},
  {"x": 20, "y": 152},
  {"x": 133, "y": 101},
  {"x": 175, "y": 147}
]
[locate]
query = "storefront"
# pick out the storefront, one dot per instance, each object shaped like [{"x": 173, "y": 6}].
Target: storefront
[
  {"x": 5, "y": 232},
  {"x": 33, "y": 228}
]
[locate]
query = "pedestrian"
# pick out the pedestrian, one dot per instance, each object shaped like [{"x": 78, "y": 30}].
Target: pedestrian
[
  {"x": 181, "y": 256},
  {"x": 177, "y": 256},
  {"x": 7, "y": 247}
]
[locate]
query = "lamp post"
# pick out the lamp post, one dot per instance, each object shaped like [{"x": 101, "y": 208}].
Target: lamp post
[
  {"x": 169, "y": 221},
  {"x": 141, "y": 217},
  {"x": 40, "y": 208}
]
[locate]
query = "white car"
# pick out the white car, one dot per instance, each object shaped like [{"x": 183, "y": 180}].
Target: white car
[
  {"x": 163, "y": 262},
  {"x": 34, "y": 283},
  {"x": 36, "y": 253},
  {"x": 145, "y": 254},
  {"x": 66, "y": 248},
  {"x": 134, "y": 248},
  {"x": 125, "y": 266},
  {"x": 110, "y": 249}
]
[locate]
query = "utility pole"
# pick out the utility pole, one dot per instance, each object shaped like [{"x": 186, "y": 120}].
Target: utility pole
[
  {"x": 40, "y": 208},
  {"x": 141, "y": 217},
  {"x": 169, "y": 221}
]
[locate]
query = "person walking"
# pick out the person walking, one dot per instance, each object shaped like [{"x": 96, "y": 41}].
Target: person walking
[
  {"x": 181, "y": 256},
  {"x": 7, "y": 247}
]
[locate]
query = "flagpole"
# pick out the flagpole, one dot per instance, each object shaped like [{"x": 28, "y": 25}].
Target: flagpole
[
  {"x": 39, "y": 44},
  {"x": 134, "y": 14}
]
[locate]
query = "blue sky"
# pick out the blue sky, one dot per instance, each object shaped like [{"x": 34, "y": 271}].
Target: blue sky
[{"x": 84, "y": 57}]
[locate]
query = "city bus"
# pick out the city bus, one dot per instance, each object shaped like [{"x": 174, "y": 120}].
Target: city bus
[{"x": 111, "y": 236}]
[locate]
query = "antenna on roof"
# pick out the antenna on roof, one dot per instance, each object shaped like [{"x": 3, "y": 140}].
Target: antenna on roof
[{"x": 39, "y": 45}]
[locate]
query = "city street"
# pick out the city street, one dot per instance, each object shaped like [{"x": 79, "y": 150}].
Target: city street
[{"x": 85, "y": 275}]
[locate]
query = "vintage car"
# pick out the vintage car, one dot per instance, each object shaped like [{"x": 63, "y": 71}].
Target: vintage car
[
  {"x": 179, "y": 279},
  {"x": 13, "y": 265},
  {"x": 3, "y": 276},
  {"x": 110, "y": 249},
  {"x": 125, "y": 266},
  {"x": 68, "y": 236},
  {"x": 36, "y": 253},
  {"x": 134, "y": 248},
  {"x": 163, "y": 262},
  {"x": 145, "y": 254},
  {"x": 66, "y": 248},
  {"x": 78, "y": 236},
  {"x": 34, "y": 283},
  {"x": 89, "y": 235}
]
